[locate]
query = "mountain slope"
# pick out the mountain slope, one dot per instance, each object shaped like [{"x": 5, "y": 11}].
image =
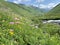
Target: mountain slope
[
  {"x": 53, "y": 13},
  {"x": 22, "y": 9},
  {"x": 15, "y": 26}
]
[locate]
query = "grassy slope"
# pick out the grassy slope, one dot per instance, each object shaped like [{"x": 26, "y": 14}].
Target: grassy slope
[
  {"x": 54, "y": 13},
  {"x": 15, "y": 28}
]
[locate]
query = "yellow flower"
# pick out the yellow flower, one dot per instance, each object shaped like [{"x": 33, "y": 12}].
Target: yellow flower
[
  {"x": 2, "y": 44},
  {"x": 11, "y": 32}
]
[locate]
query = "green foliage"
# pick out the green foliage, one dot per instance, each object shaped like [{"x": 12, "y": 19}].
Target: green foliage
[{"x": 51, "y": 28}]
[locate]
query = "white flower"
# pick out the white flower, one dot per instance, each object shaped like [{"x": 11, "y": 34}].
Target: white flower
[{"x": 16, "y": 18}]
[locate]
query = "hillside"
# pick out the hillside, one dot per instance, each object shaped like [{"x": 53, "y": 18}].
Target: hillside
[
  {"x": 22, "y": 9},
  {"x": 15, "y": 26},
  {"x": 54, "y": 13}
]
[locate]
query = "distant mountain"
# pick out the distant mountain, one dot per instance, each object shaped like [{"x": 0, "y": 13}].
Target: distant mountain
[
  {"x": 22, "y": 10},
  {"x": 54, "y": 13}
]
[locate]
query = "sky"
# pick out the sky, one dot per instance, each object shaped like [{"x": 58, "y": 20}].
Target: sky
[{"x": 43, "y": 4}]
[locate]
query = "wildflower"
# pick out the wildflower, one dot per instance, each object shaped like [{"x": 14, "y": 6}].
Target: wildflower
[
  {"x": 11, "y": 22},
  {"x": 16, "y": 18},
  {"x": 36, "y": 26},
  {"x": 11, "y": 31}
]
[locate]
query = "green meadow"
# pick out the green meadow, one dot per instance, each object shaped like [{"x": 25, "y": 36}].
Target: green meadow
[{"x": 18, "y": 25}]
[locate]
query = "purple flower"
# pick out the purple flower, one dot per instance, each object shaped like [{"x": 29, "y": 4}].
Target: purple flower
[{"x": 11, "y": 22}]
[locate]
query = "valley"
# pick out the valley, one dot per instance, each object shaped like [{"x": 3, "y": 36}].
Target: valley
[{"x": 28, "y": 25}]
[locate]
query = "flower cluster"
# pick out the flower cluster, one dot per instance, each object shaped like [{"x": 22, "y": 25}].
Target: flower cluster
[
  {"x": 17, "y": 21},
  {"x": 11, "y": 32}
]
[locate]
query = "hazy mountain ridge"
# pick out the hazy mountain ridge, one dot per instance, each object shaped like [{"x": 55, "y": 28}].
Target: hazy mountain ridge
[{"x": 22, "y": 9}]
